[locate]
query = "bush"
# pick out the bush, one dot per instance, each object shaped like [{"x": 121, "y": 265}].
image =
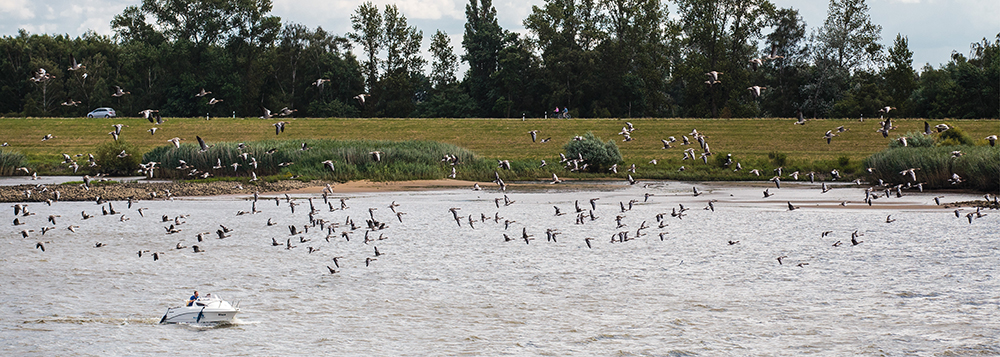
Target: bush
[
  {"x": 109, "y": 158},
  {"x": 914, "y": 140},
  {"x": 10, "y": 161},
  {"x": 598, "y": 156},
  {"x": 954, "y": 136}
]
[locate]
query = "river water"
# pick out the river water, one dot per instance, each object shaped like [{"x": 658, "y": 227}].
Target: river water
[{"x": 925, "y": 284}]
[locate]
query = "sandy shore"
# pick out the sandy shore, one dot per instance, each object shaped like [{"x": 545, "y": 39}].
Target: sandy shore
[{"x": 369, "y": 186}]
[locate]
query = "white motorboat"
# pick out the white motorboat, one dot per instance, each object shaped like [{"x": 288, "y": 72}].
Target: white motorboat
[{"x": 205, "y": 310}]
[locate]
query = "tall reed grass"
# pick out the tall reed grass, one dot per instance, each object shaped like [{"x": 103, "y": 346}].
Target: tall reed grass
[
  {"x": 352, "y": 159},
  {"x": 978, "y": 166},
  {"x": 10, "y": 161}
]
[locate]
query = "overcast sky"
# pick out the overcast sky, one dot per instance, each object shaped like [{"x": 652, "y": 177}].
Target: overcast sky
[{"x": 934, "y": 27}]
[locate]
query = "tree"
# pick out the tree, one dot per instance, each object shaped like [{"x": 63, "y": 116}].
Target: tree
[
  {"x": 788, "y": 74},
  {"x": 131, "y": 26},
  {"x": 446, "y": 98},
  {"x": 301, "y": 57},
  {"x": 401, "y": 42},
  {"x": 367, "y": 24},
  {"x": 900, "y": 78},
  {"x": 482, "y": 41},
  {"x": 848, "y": 36},
  {"x": 721, "y": 36},
  {"x": 641, "y": 41},
  {"x": 864, "y": 96},
  {"x": 979, "y": 79},
  {"x": 201, "y": 22},
  {"x": 444, "y": 63},
  {"x": 515, "y": 77}
]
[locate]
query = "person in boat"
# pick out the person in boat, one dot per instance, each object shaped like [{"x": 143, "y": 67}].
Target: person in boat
[{"x": 194, "y": 297}]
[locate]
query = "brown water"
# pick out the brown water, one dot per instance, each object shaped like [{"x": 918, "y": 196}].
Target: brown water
[{"x": 925, "y": 284}]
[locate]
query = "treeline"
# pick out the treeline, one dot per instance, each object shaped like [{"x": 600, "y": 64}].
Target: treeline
[{"x": 599, "y": 58}]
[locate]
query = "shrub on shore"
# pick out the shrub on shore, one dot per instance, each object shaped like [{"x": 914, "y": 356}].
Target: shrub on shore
[
  {"x": 913, "y": 140},
  {"x": 118, "y": 158},
  {"x": 955, "y": 136},
  {"x": 598, "y": 156}
]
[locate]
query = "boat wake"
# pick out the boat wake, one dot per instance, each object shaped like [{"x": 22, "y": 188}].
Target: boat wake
[{"x": 94, "y": 320}]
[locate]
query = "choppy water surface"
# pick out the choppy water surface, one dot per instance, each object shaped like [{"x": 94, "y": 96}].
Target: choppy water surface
[{"x": 925, "y": 284}]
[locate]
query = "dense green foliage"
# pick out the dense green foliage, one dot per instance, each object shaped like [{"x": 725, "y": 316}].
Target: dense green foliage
[
  {"x": 10, "y": 161},
  {"x": 978, "y": 167},
  {"x": 954, "y": 137},
  {"x": 351, "y": 159},
  {"x": 936, "y": 157},
  {"x": 599, "y": 58},
  {"x": 914, "y": 140},
  {"x": 599, "y": 156},
  {"x": 117, "y": 158}
]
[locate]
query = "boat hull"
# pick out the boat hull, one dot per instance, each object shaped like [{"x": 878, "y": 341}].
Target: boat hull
[
  {"x": 200, "y": 315},
  {"x": 204, "y": 311}
]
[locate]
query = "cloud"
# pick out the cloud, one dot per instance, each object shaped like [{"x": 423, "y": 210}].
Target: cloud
[
  {"x": 18, "y": 8},
  {"x": 431, "y": 9},
  {"x": 60, "y": 16}
]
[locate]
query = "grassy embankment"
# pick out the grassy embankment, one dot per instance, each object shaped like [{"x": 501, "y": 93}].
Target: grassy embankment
[{"x": 762, "y": 144}]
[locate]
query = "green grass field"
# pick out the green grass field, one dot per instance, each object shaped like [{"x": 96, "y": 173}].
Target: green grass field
[{"x": 749, "y": 140}]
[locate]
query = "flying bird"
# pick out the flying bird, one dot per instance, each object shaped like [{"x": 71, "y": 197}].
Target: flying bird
[
  {"x": 74, "y": 65},
  {"x": 201, "y": 142},
  {"x": 361, "y": 98},
  {"x": 119, "y": 92},
  {"x": 319, "y": 82}
]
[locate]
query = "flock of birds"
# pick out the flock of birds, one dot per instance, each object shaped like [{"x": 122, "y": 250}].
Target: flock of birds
[
  {"x": 332, "y": 220},
  {"x": 334, "y": 230},
  {"x": 174, "y": 226},
  {"x": 42, "y": 75},
  {"x": 755, "y": 91},
  {"x": 267, "y": 113},
  {"x": 375, "y": 227}
]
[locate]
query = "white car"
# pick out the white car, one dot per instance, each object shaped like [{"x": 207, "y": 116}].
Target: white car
[{"x": 102, "y": 113}]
